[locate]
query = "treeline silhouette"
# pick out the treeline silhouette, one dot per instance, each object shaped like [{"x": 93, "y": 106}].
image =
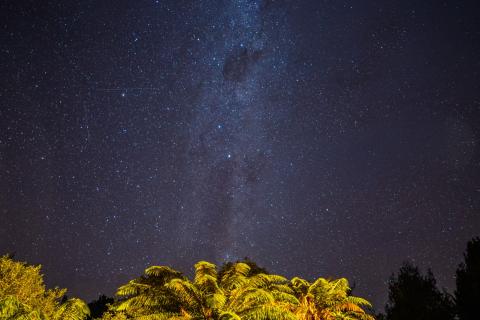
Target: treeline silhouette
[
  {"x": 414, "y": 296},
  {"x": 242, "y": 290}
]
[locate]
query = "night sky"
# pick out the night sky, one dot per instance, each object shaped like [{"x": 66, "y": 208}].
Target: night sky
[{"x": 318, "y": 138}]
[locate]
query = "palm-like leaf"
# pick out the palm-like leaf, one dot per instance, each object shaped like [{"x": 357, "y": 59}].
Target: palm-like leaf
[
  {"x": 229, "y": 315},
  {"x": 328, "y": 300},
  {"x": 72, "y": 309},
  {"x": 164, "y": 294},
  {"x": 148, "y": 295},
  {"x": 186, "y": 292},
  {"x": 11, "y": 308},
  {"x": 267, "y": 312},
  {"x": 235, "y": 277}
]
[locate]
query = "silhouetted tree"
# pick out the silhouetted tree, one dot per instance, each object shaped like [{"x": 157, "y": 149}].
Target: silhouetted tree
[
  {"x": 100, "y": 306},
  {"x": 467, "y": 293},
  {"x": 413, "y": 296}
]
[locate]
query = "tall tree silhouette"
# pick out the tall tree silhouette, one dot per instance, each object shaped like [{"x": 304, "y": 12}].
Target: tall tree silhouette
[
  {"x": 413, "y": 296},
  {"x": 467, "y": 293}
]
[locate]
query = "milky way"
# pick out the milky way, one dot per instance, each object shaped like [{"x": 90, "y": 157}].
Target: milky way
[{"x": 229, "y": 151}]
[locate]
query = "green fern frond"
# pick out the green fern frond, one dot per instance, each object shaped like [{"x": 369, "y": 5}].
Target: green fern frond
[
  {"x": 262, "y": 280},
  {"x": 257, "y": 297},
  {"x": 203, "y": 268},
  {"x": 285, "y": 297},
  {"x": 72, "y": 309},
  {"x": 235, "y": 276},
  {"x": 359, "y": 301},
  {"x": 282, "y": 288},
  {"x": 186, "y": 292},
  {"x": 160, "y": 316},
  {"x": 207, "y": 283},
  {"x": 217, "y": 301},
  {"x": 297, "y": 281},
  {"x": 268, "y": 312},
  {"x": 163, "y": 272},
  {"x": 131, "y": 288},
  {"x": 228, "y": 315},
  {"x": 321, "y": 284}
]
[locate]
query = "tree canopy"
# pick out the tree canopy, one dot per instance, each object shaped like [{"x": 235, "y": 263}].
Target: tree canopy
[
  {"x": 238, "y": 291},
  {"x": 415, "y": 296},
  {"x": 467, "y": 293},
  {"x": 23, "y": 295}
]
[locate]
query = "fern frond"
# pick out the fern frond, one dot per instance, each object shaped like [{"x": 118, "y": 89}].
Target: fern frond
[
  {"x": 262, "y": 280},
  {"x": 160, "y": 316},
  {"x": 285, "y": 298},
  {"x": 186, "y": 292},
  {"x": 268, "y": 312},
  {"x": 216, "y": 301},
  {"x": 203, "y": 268},
  {"x": 228, "y": 315},
  {"x": 298, "y": 282},
  {"x": 359, "y": 301},
  {"x": 131, "y": 288},
  {"x": 235, "y": 276},
  {"x": 72, "y": 309},
  {"x": 163, "y": 272}
]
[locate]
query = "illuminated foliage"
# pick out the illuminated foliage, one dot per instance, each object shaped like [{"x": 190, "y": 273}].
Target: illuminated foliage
[
  {"x": 163, "y": 293},
  {"x": 235, "y": 293},
  {"x": 112, "y": 315},
  {"x": 23, "y": 295},
  {"x": 328, "y": 300},
  {"x": 72, "y": 309},
  {"x": 11, "y": 308},
  {"x": 238, "y": 291}
]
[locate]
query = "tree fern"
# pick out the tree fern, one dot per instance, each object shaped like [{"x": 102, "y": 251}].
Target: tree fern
[
  {"x": 328, "y": 300},
  {"x": 72, "y": 309}
]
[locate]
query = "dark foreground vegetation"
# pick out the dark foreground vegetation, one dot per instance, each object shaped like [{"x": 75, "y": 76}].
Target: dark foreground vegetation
[{"x": 241, "y": 290}]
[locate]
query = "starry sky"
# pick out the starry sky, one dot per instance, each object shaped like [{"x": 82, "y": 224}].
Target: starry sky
[{"x": 318, "y": 138}]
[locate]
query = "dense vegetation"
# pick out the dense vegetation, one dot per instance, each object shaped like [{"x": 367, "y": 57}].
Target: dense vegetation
[
  {"x": 240, "y": 290},
  {"x": 23, "y": 295}
]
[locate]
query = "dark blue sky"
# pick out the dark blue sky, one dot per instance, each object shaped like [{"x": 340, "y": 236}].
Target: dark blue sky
[{"x": 319, "y": 138}]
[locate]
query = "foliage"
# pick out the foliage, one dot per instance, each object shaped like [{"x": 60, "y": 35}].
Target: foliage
[
  {"x": 235, "y": 293},
  {"x": 23, "y": 295},
  {"x": 12, "y": 308},
  {"x": 72, "y": 309},
  {"x": 163, "y": 293},
  {"x": 148, "y": 295},
  {"x": 25, "y": 283},
  {"x": 413, "y": 296},
  {"x": 112, "y": 315},
  {"x": 467, "y": 293},
  {"x": 254, "y": 268},
  {"x": 328, "y": 299},
  {"x": 100, "y": 306}
]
